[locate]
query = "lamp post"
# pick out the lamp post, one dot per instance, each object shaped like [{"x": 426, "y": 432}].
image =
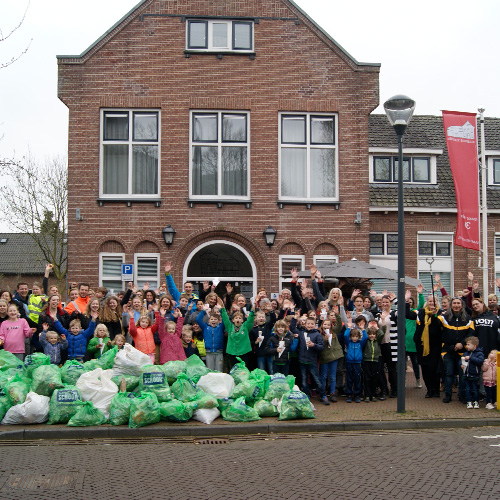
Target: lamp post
[{"x": 399, "y": 110}]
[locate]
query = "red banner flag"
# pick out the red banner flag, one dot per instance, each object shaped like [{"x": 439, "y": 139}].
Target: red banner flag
[{"x": 461, "y": 138}]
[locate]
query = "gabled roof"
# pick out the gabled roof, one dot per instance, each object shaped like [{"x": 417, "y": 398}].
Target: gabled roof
[
  {"x": 19, "y": 254},
  {"x": 426, "y": 132},
  {"x": 143, "y": 4}
]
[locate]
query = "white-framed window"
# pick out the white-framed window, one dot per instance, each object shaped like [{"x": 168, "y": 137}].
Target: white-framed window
[
  {"x": 110, "y": 271},
  {"x": 435, "y": 252},
  {"x": 219, "y": 35},
  {"x": 325, "y": 260},
  {"x": 130, "y": 152},
  {"x": 384, "y": 244},
  {"x": 497, "y": 261},
  {"x": 219, "y": 155},
  {"x": 287, "y": 263},
  {"x": 147, "y": 269},
  {"x": 493, "y": 163},
  {"x": 419, "y": 166},
  {"x": 308, "y": 157}
]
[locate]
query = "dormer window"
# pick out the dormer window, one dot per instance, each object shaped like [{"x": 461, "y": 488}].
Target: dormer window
[{"x": 219, "y": 35}]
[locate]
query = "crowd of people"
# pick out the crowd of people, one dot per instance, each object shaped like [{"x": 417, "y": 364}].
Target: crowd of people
[{"x": 334, "y": 345}]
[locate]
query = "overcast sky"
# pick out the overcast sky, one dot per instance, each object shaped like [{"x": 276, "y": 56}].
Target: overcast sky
[{"x": 442, "y": 53}]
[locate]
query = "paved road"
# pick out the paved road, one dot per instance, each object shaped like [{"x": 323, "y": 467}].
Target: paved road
[{"x": 411, "y": 465}]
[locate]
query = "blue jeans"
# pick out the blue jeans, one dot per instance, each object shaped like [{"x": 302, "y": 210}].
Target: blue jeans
[
  {"x": 324, "y": 369},
  {"x": 284, "y": 369},
  {"x": 471, "y": 389},
  {"x": 452, "y": 369},
  {"x": 265, "y": 363},
  {"x": 313, "y": 370},
  {"x": 353, "y": 379}
]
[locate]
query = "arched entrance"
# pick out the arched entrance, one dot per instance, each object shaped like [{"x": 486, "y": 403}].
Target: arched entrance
[{"x": 224, "y": 260}]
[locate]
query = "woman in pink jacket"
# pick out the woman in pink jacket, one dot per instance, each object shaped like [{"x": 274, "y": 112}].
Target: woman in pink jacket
[
  {"x": 170, "y": 336},
  {"x": 13, "y": 331}
]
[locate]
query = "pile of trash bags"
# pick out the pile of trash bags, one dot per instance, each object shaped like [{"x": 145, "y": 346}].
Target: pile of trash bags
[{"x": 124, "y": 388}]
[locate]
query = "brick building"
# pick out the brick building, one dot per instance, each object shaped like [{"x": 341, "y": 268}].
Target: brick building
[{"x": 221, "y": 119}]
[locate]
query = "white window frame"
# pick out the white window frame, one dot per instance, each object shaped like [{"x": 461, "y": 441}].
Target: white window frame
[
  {"x": 497, "y": 263},
  {"x": 440, "y": 265},
  {"x": 156, "y": 278},
  {"x": 130, "y": 142},
  {"x": 308, "y": 147},
  {"x": 290, "y": 258},
  {"x": 115, "y": 256},
  {"x": 220, "y": 145},
  {"x": 385, "y": 254},
  {"x": 319, "y": 258},
  {"x": 412, "y": 153},
  {"x": 491, "y": 156},
  {"x": 230, "y": 35}
]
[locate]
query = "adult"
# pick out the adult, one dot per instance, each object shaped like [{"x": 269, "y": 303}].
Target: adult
[
  {"x": 456, "y": 326},
  {"x": 188, "y": 286},
  {"x": 79, "y": 304},
  {"x": 389, "y": 346},
  {"x": 111, "y": 316},
  {"x": 486, "y": 325},
  {"x": 21, "y": 298}
]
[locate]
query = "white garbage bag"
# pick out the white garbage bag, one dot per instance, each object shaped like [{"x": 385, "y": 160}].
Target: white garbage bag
[
  {"x": 129, "y": 361},
  {"x": 206, "y": 415},
  {"x": 34, "y": 410},
  {"x": 217, "y": 384},
  {"x": 97, "y": 386}
]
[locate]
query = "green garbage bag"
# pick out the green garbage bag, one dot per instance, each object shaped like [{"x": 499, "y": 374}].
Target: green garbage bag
[
  {"x": 294, "y": 405},
  {"x": 91, "y": 365},
  {"x": 17, "y": 389},
  {"x": 107, "y": 359},
  {"x": 86, "y": 415},
  {"x": 4, "y": 404},
  {"x": 71, "y": 371},
  {"x": 119, "y": 411},
  {"x": 259, "y": 375},
  {"x": 176, "y": 411},
  {"x": 33, "y": 361},
  {"x": 63, "y": 404},
  {"x": 240, "y": 372},
  {"x": 172, "y": 370},
  {"x": 185, "y": 389},
  {"x": 154, "y": 380},
  {"x": 195, "y": 368},
  {"x": 8, "y": 360},
  {"x": 9, "y": 374},
  {"x": 131, "y": 382},
  {"x": 206, "y": 401},
  {"x": 250, "y": 390},
  {"x": 277, "y": 386},
  {"x": 144, "y": 410},
  {"x": 265, "y": 408},
  {"x": 224, "y": 403},
  {"x": 240, "y": 412},
  {"x": 46, "y": 379}
]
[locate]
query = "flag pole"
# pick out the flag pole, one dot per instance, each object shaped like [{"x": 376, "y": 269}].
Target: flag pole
[{"x": 484, "y": 207}]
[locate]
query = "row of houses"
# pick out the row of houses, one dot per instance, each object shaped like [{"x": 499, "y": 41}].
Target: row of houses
[{"x": 226, "y": 119}]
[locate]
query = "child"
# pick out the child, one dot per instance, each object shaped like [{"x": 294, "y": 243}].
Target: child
[
  {"x": 489, "y": 369},
  {"x": 280, "y": 345},
  {"x": 99, "y": 344},
  {"x": 183, "y": 305},
  {"x": 52, "y": 344},
  {"x": 310, "y": 345},
  {"x": 329, "y": 356},
  {"x": 119, "y": 341},
  {"x": 198, "y": 340},
  {"x": 259, "y": 337},
  {"x": 13, "y": 331},
  {"x": 213, "y": 335},
  {"x": 355, "y": 340},
  {"x": 76, "y": 337},
  {"x": 143, "y": 334},
  {"x": 371, "y": 355},
  {"x": 36, "y": 302},
  {"x": 187, "y": 341},
  {"x": 170, "y": 336},
  {"x": 471, "y": 365}
]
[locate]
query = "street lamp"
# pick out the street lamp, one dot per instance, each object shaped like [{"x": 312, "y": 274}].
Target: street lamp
[
  {"x": 399, "y": 110},
  {"x": 168, "y": 235},
  {"x": 270, "y": 235}
]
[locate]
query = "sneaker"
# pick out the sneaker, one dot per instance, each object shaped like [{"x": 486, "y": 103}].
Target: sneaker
[
  {"x": 476, "y": 405},
  {"x": 489, "y": 406},
  {"x": 393, "y": 395},
  {"x": 357, "y": 399},
  {"x": 428, "y": 394},
  {"x": 373, "y": 399},
  {"x": 495, "y": 404},
  {"x": 333, "y": 398},
  {"x": 419, "y": 384},
  {"x": 348, "y": 399},
  {"x": 469, "y": 405},
  {"x": 325, "y": 401},
  {"x": 447, "y": 398},
  {"x": 382, "y": 397},
  {"x": 367, "y": 400}
]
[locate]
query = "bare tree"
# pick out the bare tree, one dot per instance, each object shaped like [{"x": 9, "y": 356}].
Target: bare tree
[
  {"x": 34, "y": 201},
  {"x": 4, "y": 37}
]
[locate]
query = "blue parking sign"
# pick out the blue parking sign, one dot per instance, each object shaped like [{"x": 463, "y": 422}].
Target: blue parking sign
[{"x": 127, "y": 272}]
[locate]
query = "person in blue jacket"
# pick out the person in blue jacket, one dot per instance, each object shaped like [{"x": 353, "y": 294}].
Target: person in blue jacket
[
  {"x": 188, "y": 287},
  {"x": 76, "y": 337},
  {"x": 213, "y": 335},
  {"x": 472, "y": 363},
  {"x": 354, "y": 340}
]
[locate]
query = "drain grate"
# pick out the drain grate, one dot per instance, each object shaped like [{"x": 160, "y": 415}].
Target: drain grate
[
  {"x": 42, "y": 481},
  {"x": 211, "y": 441}
]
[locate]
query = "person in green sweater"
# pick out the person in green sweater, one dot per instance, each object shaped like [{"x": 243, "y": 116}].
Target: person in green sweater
[
  {"x": 332, "y": 352},
  {"x": 238, "y": 338},
  {"x": 411, "y": 326},
  {"x": 100, "y": 343},
  {"x": 370, "y": 364}
]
